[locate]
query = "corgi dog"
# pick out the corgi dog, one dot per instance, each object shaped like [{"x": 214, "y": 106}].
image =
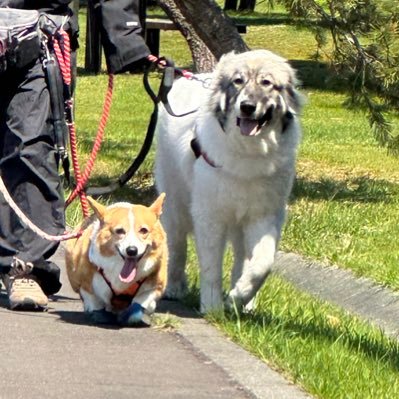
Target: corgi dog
[{"x": 119, "y": 263}]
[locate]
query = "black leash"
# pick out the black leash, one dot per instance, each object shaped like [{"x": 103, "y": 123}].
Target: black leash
[
  {"x": 164, "y": 88},
  {"x": 162, "y": 96}
]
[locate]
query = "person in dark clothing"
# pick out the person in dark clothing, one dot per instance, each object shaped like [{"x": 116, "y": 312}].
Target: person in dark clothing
[{"x": 29, "y": 159}]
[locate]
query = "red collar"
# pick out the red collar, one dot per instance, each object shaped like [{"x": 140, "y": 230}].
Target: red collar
[{"x": 196, "y": 147}]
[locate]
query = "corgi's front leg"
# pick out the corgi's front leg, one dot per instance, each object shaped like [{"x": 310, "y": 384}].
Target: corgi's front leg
[
  {"x": 102, "y": 291},
  {"x": 143, "y": 305},
  {"x": 91, "y": 302},
  {"x": 97, "y": 305}
]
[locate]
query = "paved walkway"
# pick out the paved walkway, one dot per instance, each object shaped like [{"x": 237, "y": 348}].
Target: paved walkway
[{"x": 57, "y": 354}]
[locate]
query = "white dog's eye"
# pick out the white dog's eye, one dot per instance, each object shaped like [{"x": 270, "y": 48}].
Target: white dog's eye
[
  {"x": 238, "y": 81},
  {"x": 265, "y": 82},
  {"x": 120, "y": 231}
]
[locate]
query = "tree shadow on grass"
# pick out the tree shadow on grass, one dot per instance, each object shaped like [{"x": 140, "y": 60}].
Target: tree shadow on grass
[
  {"x": 360, "y": 189},
  {"x": 314, "y": 74}
]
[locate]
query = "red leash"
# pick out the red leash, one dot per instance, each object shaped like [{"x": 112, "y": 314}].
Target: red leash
[
  {"x": 62, "y": 53},
  {"x": 82, "y": 179},
  {"x": 63, "y": 57}
]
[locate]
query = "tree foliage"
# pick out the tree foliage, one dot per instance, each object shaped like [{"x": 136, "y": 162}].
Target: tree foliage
[{"x": 365, "y": 37}]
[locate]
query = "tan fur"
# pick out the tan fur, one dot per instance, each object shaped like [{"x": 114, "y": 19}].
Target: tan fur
[
  {"x": 147, "y": 231},
  {"x": 80, "y": 270}
]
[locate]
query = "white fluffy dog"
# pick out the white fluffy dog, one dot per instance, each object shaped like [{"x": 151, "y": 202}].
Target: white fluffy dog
[{"x": 227, "y": 171}]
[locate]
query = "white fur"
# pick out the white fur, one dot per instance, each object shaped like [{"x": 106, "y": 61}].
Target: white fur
[{"x": 244, "y": 198}]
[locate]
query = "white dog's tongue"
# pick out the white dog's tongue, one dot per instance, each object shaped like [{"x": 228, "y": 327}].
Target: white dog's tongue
[
  {"x": 248, "y": 127},
  {"x": 128, "y": 272}
]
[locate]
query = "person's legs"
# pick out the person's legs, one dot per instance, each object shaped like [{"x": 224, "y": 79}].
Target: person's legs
[{"x": 29, "y": 169}]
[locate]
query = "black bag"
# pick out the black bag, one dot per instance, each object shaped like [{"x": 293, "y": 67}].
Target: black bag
[{"x": 19, "y": 37}]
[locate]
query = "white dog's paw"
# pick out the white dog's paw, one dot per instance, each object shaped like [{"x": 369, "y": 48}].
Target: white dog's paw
[
  {"x": 235, "y": 303},
  {"x": 176, "y": 290}
]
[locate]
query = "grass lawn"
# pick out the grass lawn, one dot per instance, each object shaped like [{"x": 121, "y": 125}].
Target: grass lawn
[{"x": 343, "y": 210}]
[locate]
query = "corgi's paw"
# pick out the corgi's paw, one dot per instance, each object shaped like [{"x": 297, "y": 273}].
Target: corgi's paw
[
  {"x": 134, "y": 316},
  {"x": 102, "y": 317}
]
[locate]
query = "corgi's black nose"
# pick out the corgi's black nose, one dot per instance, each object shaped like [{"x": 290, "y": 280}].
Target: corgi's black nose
[
  {"x": 247, "y": 108},
  {"x": 132, "y": 251}
]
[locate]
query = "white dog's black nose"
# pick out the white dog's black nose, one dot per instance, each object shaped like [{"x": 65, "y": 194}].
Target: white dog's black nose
[
  {"x": 132, "y": 251},
  {"x": 247, "y": 108}
]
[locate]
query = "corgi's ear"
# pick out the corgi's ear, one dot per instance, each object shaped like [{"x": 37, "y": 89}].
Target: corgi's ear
[
  {"x": 98, "y": 209},
  {"x": 156, "y": 207}
]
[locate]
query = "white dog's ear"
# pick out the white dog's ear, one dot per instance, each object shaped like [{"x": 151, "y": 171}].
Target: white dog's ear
[
  {"x": 224, "y": 64},
  {"x": 157, "y": 205},
  {"x": 98, "y": 209},
  {"x": 292, "y": 99},
  {"x": 292, "y": 96}
]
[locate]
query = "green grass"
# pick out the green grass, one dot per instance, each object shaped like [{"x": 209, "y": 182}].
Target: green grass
[
  {"x": 330, "y": 353},
  {"x": 343, "y": 211}
]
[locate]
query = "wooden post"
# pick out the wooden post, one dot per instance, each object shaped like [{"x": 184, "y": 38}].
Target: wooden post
[{"x": 93, "y": 42}]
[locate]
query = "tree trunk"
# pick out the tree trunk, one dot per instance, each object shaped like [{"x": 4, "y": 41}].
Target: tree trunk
[
  {"x": 209, "y": 32},
  {"x": 230, "y": 5},
  {"x": 203, "y": 59},
  {"x": 247, "y": 5}
]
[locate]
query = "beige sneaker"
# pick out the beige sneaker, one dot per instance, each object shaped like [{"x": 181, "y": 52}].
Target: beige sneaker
[{"x": 24, "y": 293}]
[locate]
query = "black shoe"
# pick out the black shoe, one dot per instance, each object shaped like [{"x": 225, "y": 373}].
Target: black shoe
[{"x": 48, "y": 276}]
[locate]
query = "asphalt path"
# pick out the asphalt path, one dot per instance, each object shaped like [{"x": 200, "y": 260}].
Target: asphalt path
[{"x": 59, "y": 354}]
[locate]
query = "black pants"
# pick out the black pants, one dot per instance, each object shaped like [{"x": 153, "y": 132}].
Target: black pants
[{"x": 29, "y": 169}]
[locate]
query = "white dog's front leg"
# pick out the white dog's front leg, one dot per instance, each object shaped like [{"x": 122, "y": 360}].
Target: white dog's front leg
[
  {"x": 261, "y": 239},
  {"x": 177, "y": 281},
  {"x": 210, "y": 242},
  {"x": 237, "y": 240}
]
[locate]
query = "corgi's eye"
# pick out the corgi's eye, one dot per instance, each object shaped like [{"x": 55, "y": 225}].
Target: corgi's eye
[
  {"x": 120, "y": 231},
  {"x": 143, "y": 231}
]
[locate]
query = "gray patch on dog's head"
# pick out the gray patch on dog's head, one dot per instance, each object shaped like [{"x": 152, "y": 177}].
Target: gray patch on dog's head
[
  {"x": 223, "y": 96},
  {"x": 252, "y": 66}
]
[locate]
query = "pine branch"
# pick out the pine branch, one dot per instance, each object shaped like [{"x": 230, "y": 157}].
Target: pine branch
[{"x": 372, "y": 68}]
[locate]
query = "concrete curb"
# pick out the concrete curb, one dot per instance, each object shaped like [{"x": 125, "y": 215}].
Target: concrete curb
[
  {"x": 248, "y": 371},
  {"x": 361, "y": 296}
]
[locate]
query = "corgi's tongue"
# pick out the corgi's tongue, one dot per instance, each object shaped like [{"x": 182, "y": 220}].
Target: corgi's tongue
[
  {"x": 128, "y": 272},
  {"x": 248, "y": 127}
]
